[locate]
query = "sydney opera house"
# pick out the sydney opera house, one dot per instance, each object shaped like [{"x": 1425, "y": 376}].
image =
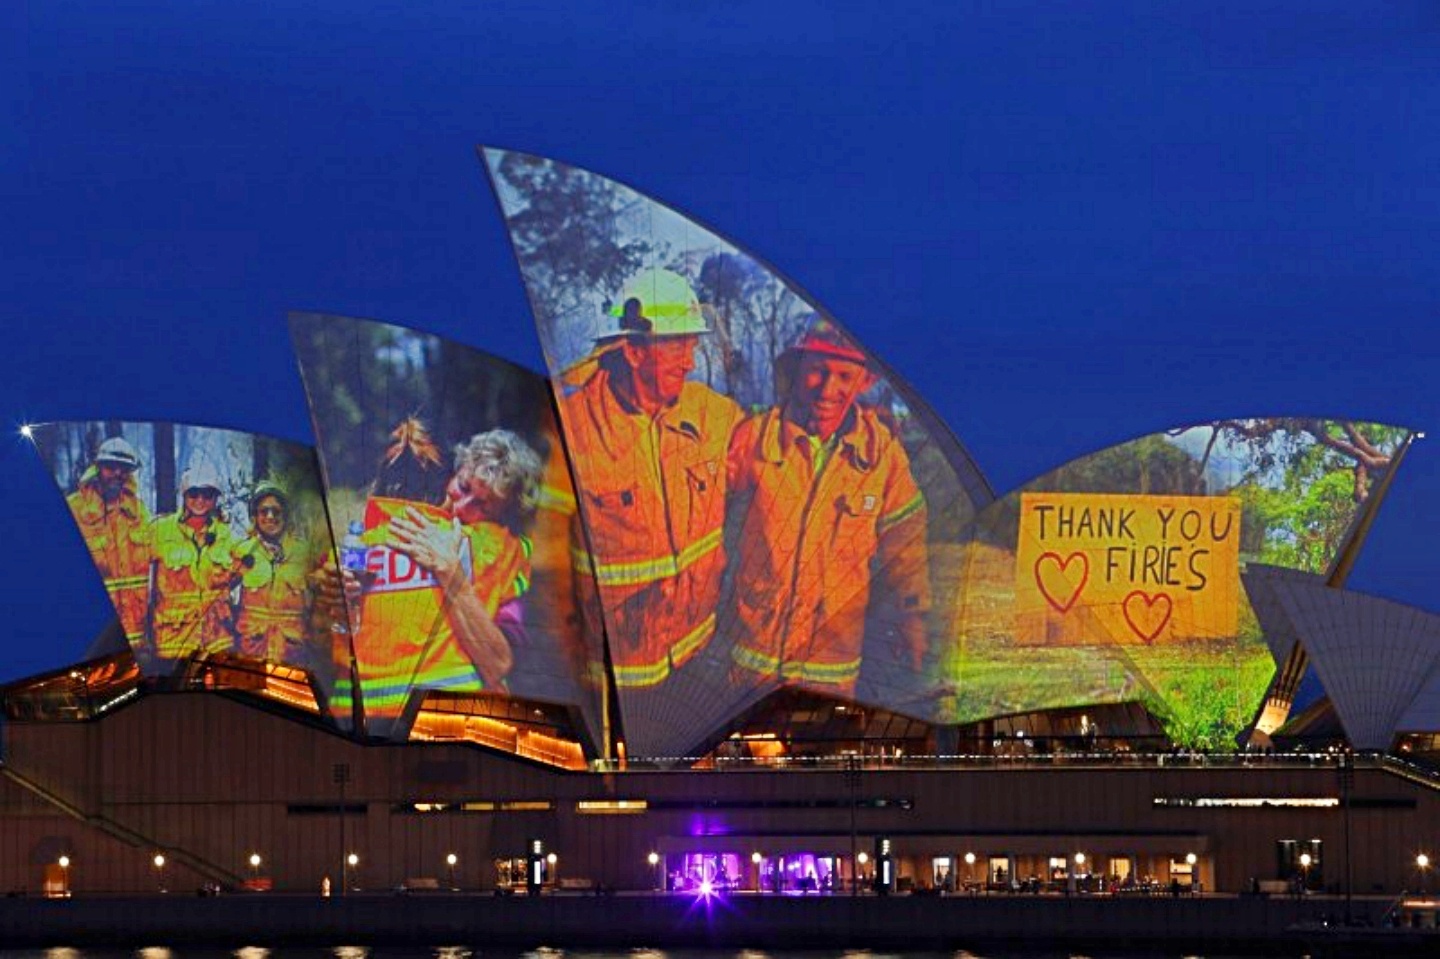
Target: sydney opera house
[{"x": 719, "y": 602}]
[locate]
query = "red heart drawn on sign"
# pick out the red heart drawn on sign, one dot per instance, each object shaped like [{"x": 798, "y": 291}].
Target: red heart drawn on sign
[
  {"x": 1146, "y": 614},
  {"x": 1060, "y": 579}
]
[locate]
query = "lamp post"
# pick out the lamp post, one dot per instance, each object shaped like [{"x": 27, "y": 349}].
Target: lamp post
[
  {"x": 159, "y": 862},
  {"x": 1191, "y": 859},
  {"x": 64, "y": 863},
  {"x": 554, "y": 874},
  {"x": 1305, "y": 861},
  {"x": 970, "y": 872},
  {"x": 654, "y": 860},
  {"x": 860, "y": 862},
  {"x": 450, "y": 860},
  {"x": 852, "y": 783},
  {"x": 1422, "y": 862},
  {"x": 340, "y": 775},
  {"x": 351, "y": 861},
  {"x": 755, "y": 860},
  {"x": 255, "y": 861}
]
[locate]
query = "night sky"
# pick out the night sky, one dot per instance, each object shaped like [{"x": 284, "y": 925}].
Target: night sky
[{"x": 1065, "y": 224}]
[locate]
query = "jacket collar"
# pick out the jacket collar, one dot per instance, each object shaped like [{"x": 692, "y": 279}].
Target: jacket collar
[{"x": 857, "y": 437}]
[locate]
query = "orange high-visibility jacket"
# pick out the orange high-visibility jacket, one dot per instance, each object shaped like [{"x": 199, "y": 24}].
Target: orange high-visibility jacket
[
  {"x": 825, "y": 532},
  {"x": 119, "y": 542},
  {"x": 652, "y": 497},
  {"x": 406, "y": 641},
  {"x": 274, "y": 598},
  {"x": 192, "y": 586}
]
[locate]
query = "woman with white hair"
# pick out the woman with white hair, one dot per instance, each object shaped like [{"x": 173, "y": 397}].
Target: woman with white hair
[{"x": 443, "y": 583}]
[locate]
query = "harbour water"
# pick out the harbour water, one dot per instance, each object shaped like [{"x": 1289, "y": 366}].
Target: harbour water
[{"x": 461, "y": 952}]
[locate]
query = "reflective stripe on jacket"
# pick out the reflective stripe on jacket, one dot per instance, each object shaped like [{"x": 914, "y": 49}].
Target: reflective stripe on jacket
[
  {"x": 192, "y": 584},
  {"x": 827, "y": 535},
  {"x": 117, "y": 535},
  {"x": 274, "y": 597},
  {"x": 652, "y": 497},
  {"x": 405, "y": 641}
]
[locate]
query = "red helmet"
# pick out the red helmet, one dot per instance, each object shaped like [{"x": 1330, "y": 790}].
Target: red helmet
[{"x": 826, "y": 338}]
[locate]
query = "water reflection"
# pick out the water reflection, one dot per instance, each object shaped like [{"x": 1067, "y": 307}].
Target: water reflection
[
  {"x": 452, "y": 952},
  {"x": 252, "y": 952}
]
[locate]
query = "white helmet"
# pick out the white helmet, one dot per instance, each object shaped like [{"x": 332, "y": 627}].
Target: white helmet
[
  {"x": 200, "y": 475},
  {"x": 658, "y": 303}
]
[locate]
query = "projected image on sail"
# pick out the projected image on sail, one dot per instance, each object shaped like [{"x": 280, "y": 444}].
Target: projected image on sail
[
  {"x": 448, "y": 487},
  {"x": 1116, "y": 577},
  {"x": 210, "y": 542},
  {"x": 766, "y": 504}
]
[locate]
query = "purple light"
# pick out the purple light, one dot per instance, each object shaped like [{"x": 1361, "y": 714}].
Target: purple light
[{"x": 706, "y": 889}]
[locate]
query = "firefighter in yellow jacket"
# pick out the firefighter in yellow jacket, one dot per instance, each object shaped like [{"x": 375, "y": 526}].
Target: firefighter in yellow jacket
[
  {"x": 442, "y": 585},
  {"x": 191, "y": 572},
  {"x": 648, "y": 447},
  {"x": 832, "y": 528},
  {"x": 114, "y": 522},
  {"x": 273, "y": 567}
]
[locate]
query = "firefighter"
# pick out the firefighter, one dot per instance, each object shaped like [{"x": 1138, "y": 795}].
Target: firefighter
[
  {"x": 114, "y": 522},
  {"x": 832, "y": 528},
  {"x": 191, "y": 565},
  {"x": 272, "y": 566},
  {"x": 441, "y": 604},
  {"x": 648, "y": 447}
]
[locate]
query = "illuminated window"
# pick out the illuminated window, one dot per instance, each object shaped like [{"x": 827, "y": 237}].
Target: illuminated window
[
  {"x": 610, "y": 807},
  {"x": 1246, "y": 802}
]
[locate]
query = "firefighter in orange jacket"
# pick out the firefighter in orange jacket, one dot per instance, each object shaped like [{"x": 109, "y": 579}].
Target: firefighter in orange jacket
[
  {"x": 273, "y": 567},
  {"x": 441, "y": 606},
  {"x": 648, "y": 448},
  {"x": 191, "y": 572},
  {"x": 114, "y": 522},
  {"x": 832, "y": 528}
]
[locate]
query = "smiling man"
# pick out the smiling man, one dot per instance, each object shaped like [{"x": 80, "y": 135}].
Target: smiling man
[
  {"x": 648, "y": 445},
  {"x": 115, "y": 522},
  {"x": 832, "y": 527}
]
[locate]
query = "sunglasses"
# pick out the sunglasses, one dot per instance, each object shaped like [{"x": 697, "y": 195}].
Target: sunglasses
[
  {"x": 202, "y": 493},
  {"x": 271, "y": 511}
]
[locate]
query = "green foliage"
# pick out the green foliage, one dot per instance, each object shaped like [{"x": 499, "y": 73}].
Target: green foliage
[
  {"x": 1147, "y": 465},
  {"x": 567, "y": 235}
]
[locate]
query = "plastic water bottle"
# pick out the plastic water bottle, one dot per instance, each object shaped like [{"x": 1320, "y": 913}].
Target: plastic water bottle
[
  {"x": 352, "y": 558},
  {"x": 352, "y": 548}
]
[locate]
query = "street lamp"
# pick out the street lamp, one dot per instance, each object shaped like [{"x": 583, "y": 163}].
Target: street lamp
[
  {"x": 553, "y": 874},
  {"x": 755, "y": 860},
  {"x": 654, "y": 860},
  {"x": 860, "y": 862},
  {"x": 450, "y": 860},
  {"x": 159, "y": 861},
  {"x": 1422, "y": 862},
  {"x": 1305, "y": 861},
  {"x": 64, "y": 863},
  {"x": 255, "y": 861},
  {"x": 351, "y": 861},
  {"x": 970, "y": 871}
]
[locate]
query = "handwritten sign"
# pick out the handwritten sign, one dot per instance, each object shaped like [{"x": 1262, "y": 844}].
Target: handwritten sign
[{"x": 1094, "y": 568}]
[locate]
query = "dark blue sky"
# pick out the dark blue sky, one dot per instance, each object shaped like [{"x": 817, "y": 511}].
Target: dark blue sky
[{"x": 1065, "y": 224}]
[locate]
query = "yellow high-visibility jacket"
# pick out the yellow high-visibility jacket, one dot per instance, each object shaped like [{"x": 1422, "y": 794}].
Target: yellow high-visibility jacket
[
  {"x": 827, "y": 530},
  {"x": 192, "y": 586},
  {"x": 405, "y": 641},
  {"x": 272, "y": 611},
  {"x": 117, "y": 535},
  {"x": 652, "y": 499}
]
